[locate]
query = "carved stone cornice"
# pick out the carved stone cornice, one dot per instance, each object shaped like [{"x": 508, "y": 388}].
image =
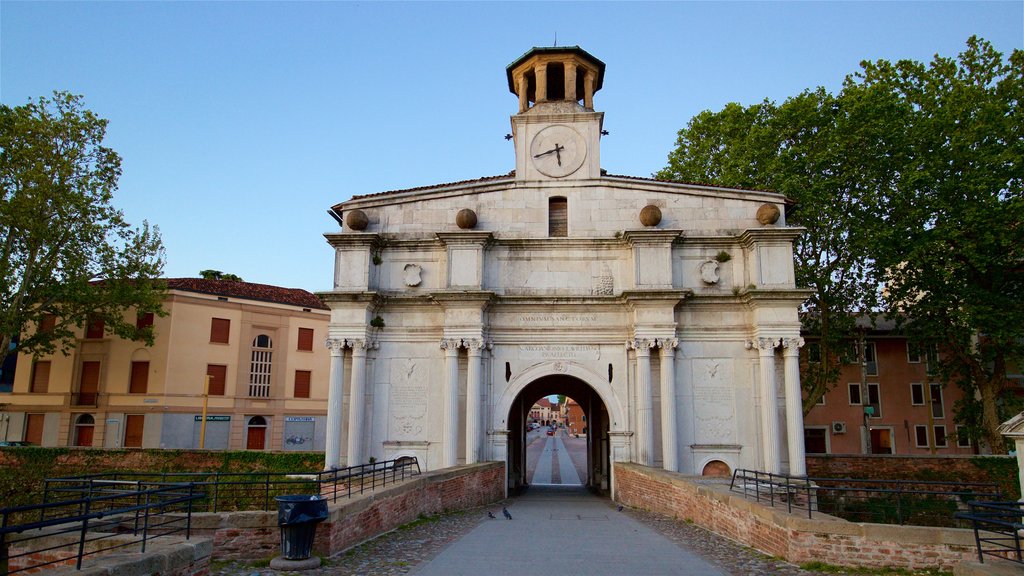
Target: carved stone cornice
[
  {"x": 370, "y": 240},
  {"x": 371, "y": 298},
  {"x": 651, "y": 237},
  {"x": 463, "y": 297},
  {"x": 751, "y": 236},
  {"x": 465, "y": 237}
]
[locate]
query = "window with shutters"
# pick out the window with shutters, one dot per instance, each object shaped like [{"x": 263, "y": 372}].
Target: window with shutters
[
  {"x": 306, "y": 339},
  {"x": 143, "y": 320},
  {"x": 558, "y": 217},
  {"x": 95, "y": 328},
  {"x": 40, "y": 377},
  {"x": 47, "y": 323},
  {"x": 139, "y": 382},
  {"x": 302, "y": 381},
  {"x": 34, "y": 424},
  {"x": 88, "y": 385},
  {"x": 219, "y": 329},
  {"x": 218, "y": 374},
  {"x": 134, "y": 424},
  {"x": 260, "y": 367}
]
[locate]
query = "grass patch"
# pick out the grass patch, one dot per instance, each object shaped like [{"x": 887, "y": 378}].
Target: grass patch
[{"x": 833, "y": 569}]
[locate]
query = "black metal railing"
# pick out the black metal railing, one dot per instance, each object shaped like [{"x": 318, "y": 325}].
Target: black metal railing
[
  {"x": 916, "y": 502},
  {"x": 234, "y": 491},
  {"x": 62, "y": 533},
  {"x": 997, "y": 528}
]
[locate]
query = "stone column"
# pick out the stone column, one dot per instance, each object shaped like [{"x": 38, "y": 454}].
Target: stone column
[
  {"x": 570, "y": 81},
  {"x": 794, "y": 406},
  {"x": 644, "y": 423},
  {"x": 541, "y": 75},
  {"x": 588, "y": 89},
  {"x": 523, "y": 86},
  {"x": 474, "y": 385},
  {"x": 451, "y": 401},
  {"x": 357, "y": 403},
  {"x": 332, "y": 453},
  {"x": 769, "y": 404},
  {"x": 669, "y": 429}
]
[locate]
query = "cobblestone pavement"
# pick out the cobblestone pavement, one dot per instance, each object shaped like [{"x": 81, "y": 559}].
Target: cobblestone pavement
[{"x": 400, "y": 551}]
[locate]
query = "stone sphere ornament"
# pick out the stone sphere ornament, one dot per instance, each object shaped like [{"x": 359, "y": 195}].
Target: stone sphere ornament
[
  {"x": 768, "y": 214},
  {"x": 357, "y": 220},
  {"x": 650, "y": 215},
  {"x": 466, "y": 219}
]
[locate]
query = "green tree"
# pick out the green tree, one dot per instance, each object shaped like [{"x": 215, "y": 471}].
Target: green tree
[
  {"x": 908, "y": 181},
  {"x": 218, "y": 275},
  {"x": 950, "y": 232},
  {"x": 66, "y": 254},
  {"x": 800, "y": 148}
]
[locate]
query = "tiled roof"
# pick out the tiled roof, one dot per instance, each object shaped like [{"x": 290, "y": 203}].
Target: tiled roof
[{"x": 248, "y": 291}]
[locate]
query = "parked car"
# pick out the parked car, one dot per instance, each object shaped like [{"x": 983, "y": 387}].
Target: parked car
[
  {"x": 551, "y": 431},
  {"x": 13, "y": 443}
]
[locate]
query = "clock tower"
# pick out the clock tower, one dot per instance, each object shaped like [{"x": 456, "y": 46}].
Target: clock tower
[{"x": 557, "y": 132}]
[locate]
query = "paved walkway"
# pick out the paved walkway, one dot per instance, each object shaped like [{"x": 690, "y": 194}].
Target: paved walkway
[
  {"x": 565, "y": 531},
  {"x": 554, "y": 456}
]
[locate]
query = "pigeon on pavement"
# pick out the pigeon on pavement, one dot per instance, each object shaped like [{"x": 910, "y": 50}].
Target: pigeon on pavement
[
  {"x": 505, "y": 512},
  {"x": 490, "y": 515},
  {"x": 619, "y": 508}
]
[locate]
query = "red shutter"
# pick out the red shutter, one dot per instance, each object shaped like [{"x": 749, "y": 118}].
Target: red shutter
[
  {"x": 34, "y": 429},
  {"x": 95, "y": 328},
  {"x": 133, "y": 426},
  {"x": 302, "y": 380},
  {"x": 219, "y": 329},
  {"x": 40, "y": 377},
  {"x": 306, "y": 339},
  {"x": 47, "y": 323},
  {"x": 218, "y": 378},
  {"x": 144, "y": 320},
  {"x": 139, "y": 379}
]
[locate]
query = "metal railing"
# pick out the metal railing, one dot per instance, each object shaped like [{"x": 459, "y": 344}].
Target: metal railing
[
  {"x": 997, "y": 528},
  {"x": 235, "y": 491},
  {"x": 115, "y": 516},
  {"x": 916, "y": 502}
]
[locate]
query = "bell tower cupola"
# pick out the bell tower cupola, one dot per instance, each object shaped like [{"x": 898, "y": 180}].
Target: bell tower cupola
[{"x": 557, "y": 132}]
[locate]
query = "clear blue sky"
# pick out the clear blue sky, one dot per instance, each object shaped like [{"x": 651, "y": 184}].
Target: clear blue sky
[{"x": 240, "y": 123}]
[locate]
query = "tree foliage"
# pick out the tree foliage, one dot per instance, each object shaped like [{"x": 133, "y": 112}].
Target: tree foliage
[
  {"x": 907, "y": 180},
  {"x": 949, "y": 238},
  {"x": 66, "y": 253},
  {"x": 218, "y": 275}
]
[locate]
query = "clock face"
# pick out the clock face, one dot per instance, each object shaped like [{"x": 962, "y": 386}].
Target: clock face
[{"x": 558, "y": 151}]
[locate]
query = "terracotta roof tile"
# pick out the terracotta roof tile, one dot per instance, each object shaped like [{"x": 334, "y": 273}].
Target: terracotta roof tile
[{"x": 248, "y": 291}]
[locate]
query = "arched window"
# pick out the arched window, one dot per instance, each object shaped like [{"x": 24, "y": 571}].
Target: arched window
[
  {"x": 260, "y": 366},
  {"x": 84, "y": 426}
]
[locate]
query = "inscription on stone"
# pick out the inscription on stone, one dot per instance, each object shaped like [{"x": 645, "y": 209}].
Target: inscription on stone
[
  {"x": 559, "y": 352},
  {"x": 408, "y": 395},
  {"x": 716, "y": 422},
  {"x": 568, "y": 319}
]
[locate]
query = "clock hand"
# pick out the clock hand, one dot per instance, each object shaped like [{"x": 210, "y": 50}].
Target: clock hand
[
  {"x": 558, "y": 153},
  {"x": 543, "y": 153}
]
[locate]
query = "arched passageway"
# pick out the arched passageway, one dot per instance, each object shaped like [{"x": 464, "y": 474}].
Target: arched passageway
[{"x": 597, "y": 470}]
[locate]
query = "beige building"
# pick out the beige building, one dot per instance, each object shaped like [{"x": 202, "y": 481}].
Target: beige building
[
  {"x": 261, "y": 347},
  {"x": 668, "y": 311}
]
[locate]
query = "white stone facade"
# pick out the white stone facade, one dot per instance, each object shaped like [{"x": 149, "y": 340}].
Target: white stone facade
[{"x": 674, "y": 332}]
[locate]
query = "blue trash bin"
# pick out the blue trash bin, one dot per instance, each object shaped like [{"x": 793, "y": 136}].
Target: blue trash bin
[{"x": 298, "y": 515}]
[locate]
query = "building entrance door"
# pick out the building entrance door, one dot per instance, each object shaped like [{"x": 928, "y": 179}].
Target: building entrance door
[{"x": 256, "y": 434}]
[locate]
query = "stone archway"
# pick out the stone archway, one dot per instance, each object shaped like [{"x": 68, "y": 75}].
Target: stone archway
[{"x": 602, "y": 410}]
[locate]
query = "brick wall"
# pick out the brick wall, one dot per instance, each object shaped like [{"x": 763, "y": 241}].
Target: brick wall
[
  {"x": 959, "y": 468},
  {"x": 255, "y": 535},
  {"x": 791, "y": 536}
]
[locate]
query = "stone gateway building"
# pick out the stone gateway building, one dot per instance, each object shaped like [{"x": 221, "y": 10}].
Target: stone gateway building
[{"x": 667, "y": 311}]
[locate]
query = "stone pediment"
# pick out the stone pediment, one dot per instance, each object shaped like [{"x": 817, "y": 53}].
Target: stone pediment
[{"x": 1014, "y": 427}]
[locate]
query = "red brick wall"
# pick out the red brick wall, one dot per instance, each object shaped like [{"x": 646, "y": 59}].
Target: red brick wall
[
  {"x": 255, "y": 535},
  {"x": 791, "y": 536},
  {"x": 958, "y": 468}
]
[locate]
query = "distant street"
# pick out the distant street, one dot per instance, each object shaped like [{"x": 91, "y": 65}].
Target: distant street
[{"x": 555, "y": 460}]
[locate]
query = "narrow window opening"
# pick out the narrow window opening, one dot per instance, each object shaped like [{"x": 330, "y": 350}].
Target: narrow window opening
[
  {"x": 558, "y": 217},
  {"x": 556, "y": 81}
]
